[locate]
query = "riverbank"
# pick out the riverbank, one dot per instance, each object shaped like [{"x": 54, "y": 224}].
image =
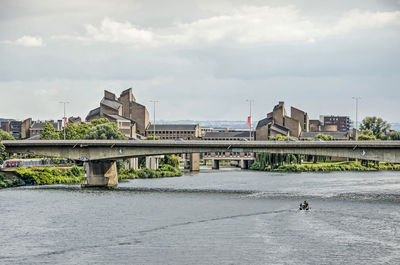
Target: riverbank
[
  {"x": 164, "y": 171},
  {"x": 57, "y": 175},
  {"x": 328, "y": 167}
]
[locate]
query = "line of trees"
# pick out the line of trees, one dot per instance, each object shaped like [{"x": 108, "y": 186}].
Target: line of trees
[{"x": 100, "y": 129}]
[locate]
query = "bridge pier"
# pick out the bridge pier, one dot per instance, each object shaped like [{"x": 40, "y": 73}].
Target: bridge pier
[
  {"x": 215, "y": 164},
  {"x": 195, "y": 162},
  {"x": 100, "y": 174},
  {"x": 244, "y": 164},
  {"x": 152, "y": 162}
]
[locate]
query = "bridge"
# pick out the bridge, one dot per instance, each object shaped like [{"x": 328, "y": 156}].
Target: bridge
[{"x": 99, "y": 156}]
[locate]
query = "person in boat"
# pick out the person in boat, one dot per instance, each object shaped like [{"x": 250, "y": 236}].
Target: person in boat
[{"x": 304, "y": 206}]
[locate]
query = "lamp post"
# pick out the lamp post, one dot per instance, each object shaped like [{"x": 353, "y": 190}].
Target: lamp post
[
  {"x": 65, "y": 118},
  {"x": 249, "y": 118},
  {"x": 154, "y": 125},
  {"x": 356, "y": 99}
]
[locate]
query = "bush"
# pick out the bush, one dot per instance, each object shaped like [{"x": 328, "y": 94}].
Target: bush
[{"x": 45, "y": 176}]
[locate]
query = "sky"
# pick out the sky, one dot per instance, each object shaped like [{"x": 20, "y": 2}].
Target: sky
[{"x": 201, "y": 59}]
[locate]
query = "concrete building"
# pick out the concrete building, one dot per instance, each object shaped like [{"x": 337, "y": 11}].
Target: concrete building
[
  {"x": 337, "y": 136},
  {"x": 227, "y": 135},
  {"x": 36, "y": 128},
  {"x": 278, "y": 122},
  {"x": 342, "y": 123},
  {"x": 134, "y": 111},
  {"x": 175, "y": 131},
  {"x": 113, "y": 109},
  {"x": 75, "y": 120},
  {"x": 13, "y": 127}
]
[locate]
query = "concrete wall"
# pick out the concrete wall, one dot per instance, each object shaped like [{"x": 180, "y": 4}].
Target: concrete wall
[
  {"x": 302, "y": 117},
  {"x": 107, "y": 110},
  {"x": 141, "y": 116},
  {"x": 294, "y": 127}
]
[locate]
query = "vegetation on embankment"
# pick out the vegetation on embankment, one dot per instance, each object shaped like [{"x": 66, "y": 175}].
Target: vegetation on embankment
[
  {"x": 328, "y": 167},
  {"x": 162, "y": 172},
  {"x": 7, "y": 182},
  {"x": 50, "y": 175}
]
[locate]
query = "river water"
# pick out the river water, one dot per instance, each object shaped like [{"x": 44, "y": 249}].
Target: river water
[{"x": 213, "y": 217}]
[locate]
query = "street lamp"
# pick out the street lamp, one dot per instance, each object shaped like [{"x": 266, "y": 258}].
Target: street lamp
[
  {"x": 249, "y": 118},
  {"x": 154, "y": 126},
  {"x": 356, "y": 99},
  {"x": 65, "y": 118}
]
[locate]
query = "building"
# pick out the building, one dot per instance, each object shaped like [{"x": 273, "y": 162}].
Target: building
[
  {"x": 227, "y": 135},
  {"x": 331, "y": 124},
  {"x": 278, "y": 122},
  {"x": 36, "y": 129},
  {"x": 13, "y": 127},
  {"x": 134, "y": 111},
  {"x": 75, "y": 120},
  {"x": 337, "y": 136},
  {"x": 175, "y": 131},
  {"x": 342, "y": 123},
  {"x": 113, "y": 109}
]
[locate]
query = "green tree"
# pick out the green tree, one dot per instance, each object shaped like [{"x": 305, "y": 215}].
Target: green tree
[
  {"x": 378, "y": 126},
  {"x": 99, "y": 121},
  {"x": 324, "y": 137},
  {"x": 394, "y": 136},
  {"x": 5, "y": 135},
  {"x": 171, "y": 160},
  {"x": 367, "y": 135},
  {"x": 105, "y": 131},
  {"x": 49, "y": 133}
]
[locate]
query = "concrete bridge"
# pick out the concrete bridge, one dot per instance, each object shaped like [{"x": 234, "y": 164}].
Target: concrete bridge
[{"x": 100, "y": 155}]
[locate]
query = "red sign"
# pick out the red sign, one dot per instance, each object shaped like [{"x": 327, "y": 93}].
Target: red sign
[
  {"x": 249, "y": 121},
  {"x": 65, "y": 121}
]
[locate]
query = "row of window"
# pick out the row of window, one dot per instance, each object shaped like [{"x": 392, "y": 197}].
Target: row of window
[{"x": 170, "y": 132}]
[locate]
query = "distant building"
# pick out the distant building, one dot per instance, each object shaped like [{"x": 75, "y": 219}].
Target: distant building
[
  {"x": 278, "y": 122},
  {"x": 175, "y": 131},
  {"x": 134, "y": 111},
  {"x": 227, "y": 135},
  {"x": 343, "y": 123},
  {"x": 114, "y": 109},
  {"x": 75, "y": 120},
  {"x": 337, "y": 136},
  {"x": 331, "y": 124},
  {"x": 36, "y": 129}
]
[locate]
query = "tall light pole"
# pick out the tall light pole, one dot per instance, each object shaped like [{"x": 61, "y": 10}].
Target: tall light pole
[
  {"x": 65, "y": 118},
  {"x": 154, "y": 126},
  {"x": 249, "y": 118},
  {"x": 356, "y": 99}
]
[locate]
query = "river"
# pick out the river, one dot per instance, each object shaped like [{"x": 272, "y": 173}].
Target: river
[{"x": 213, "y": 217}]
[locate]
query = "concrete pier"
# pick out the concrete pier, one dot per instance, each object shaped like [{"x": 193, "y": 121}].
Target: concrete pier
[
  {"x": 195, "y": 162},
  {"x": 101, "y": 174},
  {"x": 215, "y": 164}
]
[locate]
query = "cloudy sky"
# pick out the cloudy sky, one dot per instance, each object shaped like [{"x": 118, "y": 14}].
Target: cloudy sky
[{"x": 201, "y": 59}]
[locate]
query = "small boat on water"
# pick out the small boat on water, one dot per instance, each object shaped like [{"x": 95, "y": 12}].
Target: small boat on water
[{"x": 304, "y": 206}]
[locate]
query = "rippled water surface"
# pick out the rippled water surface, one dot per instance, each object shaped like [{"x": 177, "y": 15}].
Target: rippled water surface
[{"x": 214, "y": 217}]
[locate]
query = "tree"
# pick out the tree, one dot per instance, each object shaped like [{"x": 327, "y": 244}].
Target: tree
[
  {"x": 324, "y": 137},
  {"x": 378, "y": 126},
  {"x": 171, "y": 160},
  {"x": 394, "y": 136},
  {"x": 4, "y": 136},
  {"x": 105, "y": 131},
  {"x": 367, "y": 135},
  {"x": 75, "y": 132},
  {"x": 49, "y": 133},
  {"x": 99, "y": 121}
]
